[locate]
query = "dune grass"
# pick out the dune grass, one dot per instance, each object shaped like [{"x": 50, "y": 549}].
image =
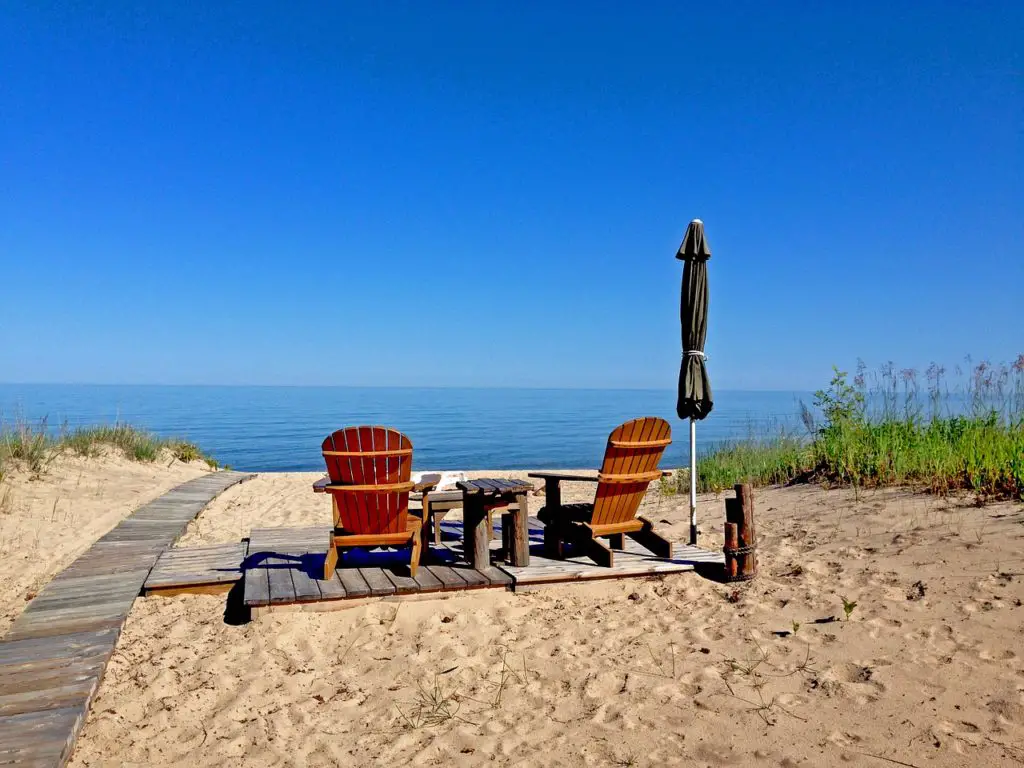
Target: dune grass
[
  {"x": 35, "y": 446},
  {"x": 883, "y": 430}
]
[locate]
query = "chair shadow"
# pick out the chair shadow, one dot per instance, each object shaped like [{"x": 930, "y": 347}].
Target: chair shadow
[{"x": 312, "y": 563}]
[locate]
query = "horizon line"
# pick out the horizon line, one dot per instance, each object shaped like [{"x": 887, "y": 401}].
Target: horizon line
[{"x": 387, "y": 386}]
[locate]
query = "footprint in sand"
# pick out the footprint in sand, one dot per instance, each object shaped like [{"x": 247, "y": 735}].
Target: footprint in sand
[{"x": 1007, "y": 712}]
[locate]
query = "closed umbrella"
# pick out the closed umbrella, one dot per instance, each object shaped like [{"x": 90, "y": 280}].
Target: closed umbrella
[{"x": 695, "y": 401}]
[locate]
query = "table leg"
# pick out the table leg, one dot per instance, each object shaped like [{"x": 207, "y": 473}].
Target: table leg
[
  {"x": 506, "y": 534},
  {"x": 519, "y": 540},
  {"x": 475, "y": 537}
]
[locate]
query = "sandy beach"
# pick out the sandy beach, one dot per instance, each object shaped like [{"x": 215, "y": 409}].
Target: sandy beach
[
  {"x": 45, "y": 523},
  {"x": 927, "y": 669}
]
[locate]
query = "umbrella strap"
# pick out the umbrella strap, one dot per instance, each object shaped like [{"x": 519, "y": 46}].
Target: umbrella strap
[{"x": 693, "y": 353}]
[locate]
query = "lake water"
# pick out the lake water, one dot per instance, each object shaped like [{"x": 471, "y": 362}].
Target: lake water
[{"x": 281, "y": 428}]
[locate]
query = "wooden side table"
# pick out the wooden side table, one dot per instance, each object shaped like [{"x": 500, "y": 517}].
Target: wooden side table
[{"x": 481, "y": 496}]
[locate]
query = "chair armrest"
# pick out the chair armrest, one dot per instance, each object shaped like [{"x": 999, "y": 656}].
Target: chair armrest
[
  {"x": 320, "y": 486},
  {"x": 425, "y": 486},
  {"x": 567, "y": 476}
]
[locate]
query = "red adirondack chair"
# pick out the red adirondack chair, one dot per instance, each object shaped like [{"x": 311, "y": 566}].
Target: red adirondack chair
[{"x": 368, "y": 470}]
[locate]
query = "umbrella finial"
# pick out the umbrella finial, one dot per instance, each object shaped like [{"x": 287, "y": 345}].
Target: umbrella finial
[{"x": 694, "y": 245}]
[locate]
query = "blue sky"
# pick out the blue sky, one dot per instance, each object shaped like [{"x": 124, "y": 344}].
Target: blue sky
[{"x": 492, "y": 193}]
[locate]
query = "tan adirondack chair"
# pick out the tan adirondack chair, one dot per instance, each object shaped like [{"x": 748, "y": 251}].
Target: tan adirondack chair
[
  {"x": 630, "y": 464},
  {"x": 368, "y": 471}
]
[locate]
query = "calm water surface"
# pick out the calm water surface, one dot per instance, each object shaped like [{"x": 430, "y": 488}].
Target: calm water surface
[{"x": 281, "y": 428}]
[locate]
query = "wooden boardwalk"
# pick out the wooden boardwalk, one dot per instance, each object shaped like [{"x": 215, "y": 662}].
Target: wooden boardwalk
[
  {"x": 53, "y": 658},
  {"x": 282, "y": 567}
]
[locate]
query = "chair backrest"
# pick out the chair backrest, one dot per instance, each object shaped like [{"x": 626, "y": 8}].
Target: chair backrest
[
  {"x": 630, "y": 464},
  {"x": 377, "y": 463}
]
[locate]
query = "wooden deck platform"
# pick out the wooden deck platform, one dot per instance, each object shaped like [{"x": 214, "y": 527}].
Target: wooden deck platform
[
  {"x": 54, "y": 655},
  {"x": 195, "y": 570},
  {"x": 282, "y": 566}
]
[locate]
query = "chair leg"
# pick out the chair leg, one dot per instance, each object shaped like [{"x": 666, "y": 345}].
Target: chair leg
[
  {"x": 436, "y": 524},
  {"x": 617, "y": 541},
  {"x": 646, "y": 537},
  {"x": 330, "y": 562},
  {"x": 414, "y": 560},
  {"x": 554, "y": 544},
  {"x": 424, "y": 539},
  {"x": 599, "y": 553}
]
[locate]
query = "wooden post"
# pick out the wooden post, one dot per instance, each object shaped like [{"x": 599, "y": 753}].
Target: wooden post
[
  {"x": 476, "y": 539},
  {"x": 518, "y": 552},
  {"x": 740, "y": 541}
]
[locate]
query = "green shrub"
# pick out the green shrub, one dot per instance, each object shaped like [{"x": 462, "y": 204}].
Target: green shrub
[
  {"x": 981, "y": 451},
  {"x": 186, "y": 452},
  {"x": 36, "y": 446},
  {"x": 145, "y": 450},
  {"x": 29, "y": 444}
]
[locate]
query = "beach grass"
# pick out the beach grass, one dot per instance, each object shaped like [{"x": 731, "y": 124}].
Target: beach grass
[
  {"x": 883, "y": 429},
  {"x": 36, "y": 445}
]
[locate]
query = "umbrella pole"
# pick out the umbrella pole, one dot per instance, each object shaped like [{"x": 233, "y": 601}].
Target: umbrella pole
[{"x": 693, "y": 481}]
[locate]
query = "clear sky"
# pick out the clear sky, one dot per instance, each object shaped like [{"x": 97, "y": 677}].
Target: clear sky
[{"x": 492, "y": 193}]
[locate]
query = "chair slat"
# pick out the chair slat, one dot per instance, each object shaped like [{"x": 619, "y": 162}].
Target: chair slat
[
  {"x": 396, "y": 452},
  {"x": 391, "y": 488},
  {"x": 639, "y": 443},
  {"x": 635, "y": 477}
]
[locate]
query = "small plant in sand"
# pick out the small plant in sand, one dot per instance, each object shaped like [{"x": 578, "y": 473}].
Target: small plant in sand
[
  {"x": 435, "y": 704},
  {"x": 432, "y": 705},
  {"x": 758, "y": 673},
  {"x": 848, "y": 607},
  {"x": 796, "y": 627},
  {"x": 507, "y": 674},
  {"x": 665, "y": 663}
]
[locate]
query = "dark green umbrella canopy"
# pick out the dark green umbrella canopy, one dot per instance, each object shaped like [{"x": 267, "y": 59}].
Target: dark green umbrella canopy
[{"x": 695, "y": 400}]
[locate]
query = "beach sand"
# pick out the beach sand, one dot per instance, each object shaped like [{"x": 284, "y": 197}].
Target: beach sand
[
  {"x": 927, "y": 670},
  {"x": 46, "y": 522}
]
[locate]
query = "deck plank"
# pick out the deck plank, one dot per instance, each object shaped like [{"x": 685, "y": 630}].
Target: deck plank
[
  {"x": 256, "y": 586},
  {"x": 377, "y": 581},
  {"x": 333, "y": 588},
  {"x": 473, "y": 578},
  {"x": 447, "y": 575},
  {"x": 404, "y": 585},
  {"x": 353, "y": 581},
  {"x": 279, "y": 575},
  {"x": 307, "y": 589},
  {"x": 427, "y": 581}
]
